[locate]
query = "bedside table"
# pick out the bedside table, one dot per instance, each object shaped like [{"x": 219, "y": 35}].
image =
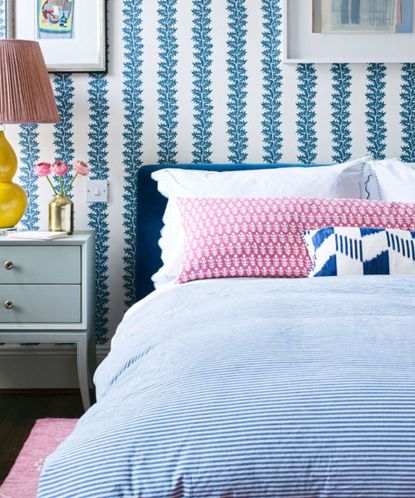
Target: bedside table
[{"x": 47, "y": 295}]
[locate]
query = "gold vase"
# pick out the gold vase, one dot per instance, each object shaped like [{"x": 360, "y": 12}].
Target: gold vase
[{"x": 61, "y": 214}]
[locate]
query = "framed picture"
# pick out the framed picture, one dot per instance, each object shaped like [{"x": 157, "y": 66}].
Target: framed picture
[
  {"x": 347, "y": 31},
  {"x": 72, "y": 33}
]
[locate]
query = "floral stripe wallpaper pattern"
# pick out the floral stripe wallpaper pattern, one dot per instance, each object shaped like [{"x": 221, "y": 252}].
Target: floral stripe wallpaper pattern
[
  {"x": 376, "y": 83},
  {"x": 167, "y": 82},
  {"x": 408, "y": 112},
  {"x": 271, "y": 43},
  {"x": 340, "y": 122},
  {"x": 2, "y": 19},
  {"x": 307, "y": 113},
  {"x": 202, "y": 81},
  {"x": 29, "y": 154},
  {"x": 237, "y": 72},
  {"x": 132, "y": 135},
  {"x": 98, "y": 211},
  {"x": 63, "y": 130}
]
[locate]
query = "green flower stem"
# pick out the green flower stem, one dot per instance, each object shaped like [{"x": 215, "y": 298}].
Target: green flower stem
[
  {"x": 71, "y": 182},
  {"x": 51, "y": 184},
  {"x": 61, "y": 186}
]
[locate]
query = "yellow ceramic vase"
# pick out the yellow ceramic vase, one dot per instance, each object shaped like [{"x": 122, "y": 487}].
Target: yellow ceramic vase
[{"x": 13, "y": 199}]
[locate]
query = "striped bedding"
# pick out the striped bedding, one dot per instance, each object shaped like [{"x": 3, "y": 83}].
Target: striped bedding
[{"x": 252, "y": 388}]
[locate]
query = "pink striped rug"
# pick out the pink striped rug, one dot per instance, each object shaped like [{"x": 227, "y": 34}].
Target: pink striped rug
[{"x": 46, "y": 435}]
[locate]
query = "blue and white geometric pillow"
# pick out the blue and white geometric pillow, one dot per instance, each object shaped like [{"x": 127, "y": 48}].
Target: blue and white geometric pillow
[{"x": 338, "y": 251}]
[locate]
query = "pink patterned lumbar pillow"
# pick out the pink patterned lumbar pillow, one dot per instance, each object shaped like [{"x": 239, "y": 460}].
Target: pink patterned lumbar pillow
[{"x": 264, "y": 237}]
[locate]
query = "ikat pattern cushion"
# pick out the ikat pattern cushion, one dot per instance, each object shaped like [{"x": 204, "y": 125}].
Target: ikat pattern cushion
[
  {"x": 265, "y": 237},
  {"x": 337, "y": 251}
]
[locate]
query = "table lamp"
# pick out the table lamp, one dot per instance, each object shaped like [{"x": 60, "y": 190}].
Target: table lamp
[{"x": 26, "y": 96}]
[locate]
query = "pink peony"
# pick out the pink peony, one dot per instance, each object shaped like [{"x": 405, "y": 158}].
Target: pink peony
[
  {"x": 59, "y": 168},
  {"x": 81, "y": 168},
  {"x": 42, "y": 169}
]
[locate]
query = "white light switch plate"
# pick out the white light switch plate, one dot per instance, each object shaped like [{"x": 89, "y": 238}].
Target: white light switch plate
[{"x": 96, "y": 190}]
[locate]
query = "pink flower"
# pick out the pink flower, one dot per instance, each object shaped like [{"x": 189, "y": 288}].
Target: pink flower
[
  {"x": 42, "y": 169},
  {"x": 59, "y": 168},
  {"x": 81, "y": 168}
]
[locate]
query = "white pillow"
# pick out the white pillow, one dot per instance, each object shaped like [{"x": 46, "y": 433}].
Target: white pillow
[
  {"x": 395, "y": 180},
  {"x": 339, "y": 181}
]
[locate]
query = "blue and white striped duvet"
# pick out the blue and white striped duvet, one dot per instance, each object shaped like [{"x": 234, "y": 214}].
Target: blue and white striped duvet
[{"x": 252, "y": 388}]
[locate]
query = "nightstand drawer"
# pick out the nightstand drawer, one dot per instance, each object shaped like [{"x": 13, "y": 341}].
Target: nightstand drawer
[
  {"x": 40, "y": 304},
  {"x": 40, "y": 264}
]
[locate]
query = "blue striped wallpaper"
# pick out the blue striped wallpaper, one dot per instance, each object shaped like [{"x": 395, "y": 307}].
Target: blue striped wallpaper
[
  {"x": 167, "y": 80},
  {"x": 375, "y": 95},
  {"x": 132, "y": 135},
  {"x": 271, "y": 43},
  {"x": 202, "y": 81},
  {"x": 340, "y": 116},
  {"x": 29, "y": 154},
  {"x": 408, "y": 112},
  {"x": 306, "y": 113},
  {"x": 98, "y": 212},
  {"x": 238, "y": 77},
  {"x": 63, "y": 130}
]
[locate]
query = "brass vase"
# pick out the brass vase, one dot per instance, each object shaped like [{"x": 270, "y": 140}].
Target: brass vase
[{"x": 61, "y": 211}]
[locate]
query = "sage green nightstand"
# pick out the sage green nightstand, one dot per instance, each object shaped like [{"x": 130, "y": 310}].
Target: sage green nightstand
[{"x": 47, "y": 295}]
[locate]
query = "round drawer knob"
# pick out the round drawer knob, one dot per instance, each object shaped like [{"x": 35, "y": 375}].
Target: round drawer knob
[
  {"x": 8, "y": 304},
  {"x": 9, "y": 265}
]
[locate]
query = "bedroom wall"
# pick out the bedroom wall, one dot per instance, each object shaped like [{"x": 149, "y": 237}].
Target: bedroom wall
[{"x": 202, "y": 81}]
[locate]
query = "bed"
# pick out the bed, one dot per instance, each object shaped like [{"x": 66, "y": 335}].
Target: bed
[{"x": 247, "y": 387}]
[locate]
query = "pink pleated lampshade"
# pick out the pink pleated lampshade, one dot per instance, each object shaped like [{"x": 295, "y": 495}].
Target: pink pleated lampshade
[{"x": 26, "y": 94}]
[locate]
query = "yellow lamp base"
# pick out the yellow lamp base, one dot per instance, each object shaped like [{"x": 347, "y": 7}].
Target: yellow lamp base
[
  {"x": 13, "y": 203},
  {"x": 13, "y": 199}
]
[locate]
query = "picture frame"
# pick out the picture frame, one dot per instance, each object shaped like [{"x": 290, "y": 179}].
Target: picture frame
[
  {"x": 72, "y": 38},
  {"x": 302, "y": 46}
]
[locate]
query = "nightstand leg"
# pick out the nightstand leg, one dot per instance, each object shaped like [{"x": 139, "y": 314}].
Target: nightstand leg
[
  {"x": 92, "y": 357},
  {"x": 83, "y": 372}
]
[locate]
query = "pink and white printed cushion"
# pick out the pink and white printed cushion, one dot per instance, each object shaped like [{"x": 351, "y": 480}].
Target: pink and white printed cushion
[{"x": 264, "y": 237}]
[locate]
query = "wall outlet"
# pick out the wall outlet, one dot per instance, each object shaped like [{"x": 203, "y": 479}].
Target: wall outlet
[{"x": 96, "y": 190}]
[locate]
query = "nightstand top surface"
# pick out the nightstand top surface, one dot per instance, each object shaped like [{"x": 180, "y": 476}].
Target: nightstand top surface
[{"x": 76, "y": 238}]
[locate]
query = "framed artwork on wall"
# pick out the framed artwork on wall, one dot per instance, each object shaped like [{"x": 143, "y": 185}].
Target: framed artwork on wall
[
  {"x": 347, "y": 31},
  {"x": 72, "y": 33}
]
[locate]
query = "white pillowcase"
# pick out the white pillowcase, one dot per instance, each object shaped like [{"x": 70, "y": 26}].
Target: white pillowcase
[
  {"x": 393, "y": 180},
  {"x": 339, "y": 181}
]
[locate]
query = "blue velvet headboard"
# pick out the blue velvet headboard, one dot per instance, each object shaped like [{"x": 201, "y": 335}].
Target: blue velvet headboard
[{"x": 150, "y": 208}]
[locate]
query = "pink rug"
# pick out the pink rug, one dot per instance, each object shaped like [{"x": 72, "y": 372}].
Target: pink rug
[{"x": 46, "y": 435}]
